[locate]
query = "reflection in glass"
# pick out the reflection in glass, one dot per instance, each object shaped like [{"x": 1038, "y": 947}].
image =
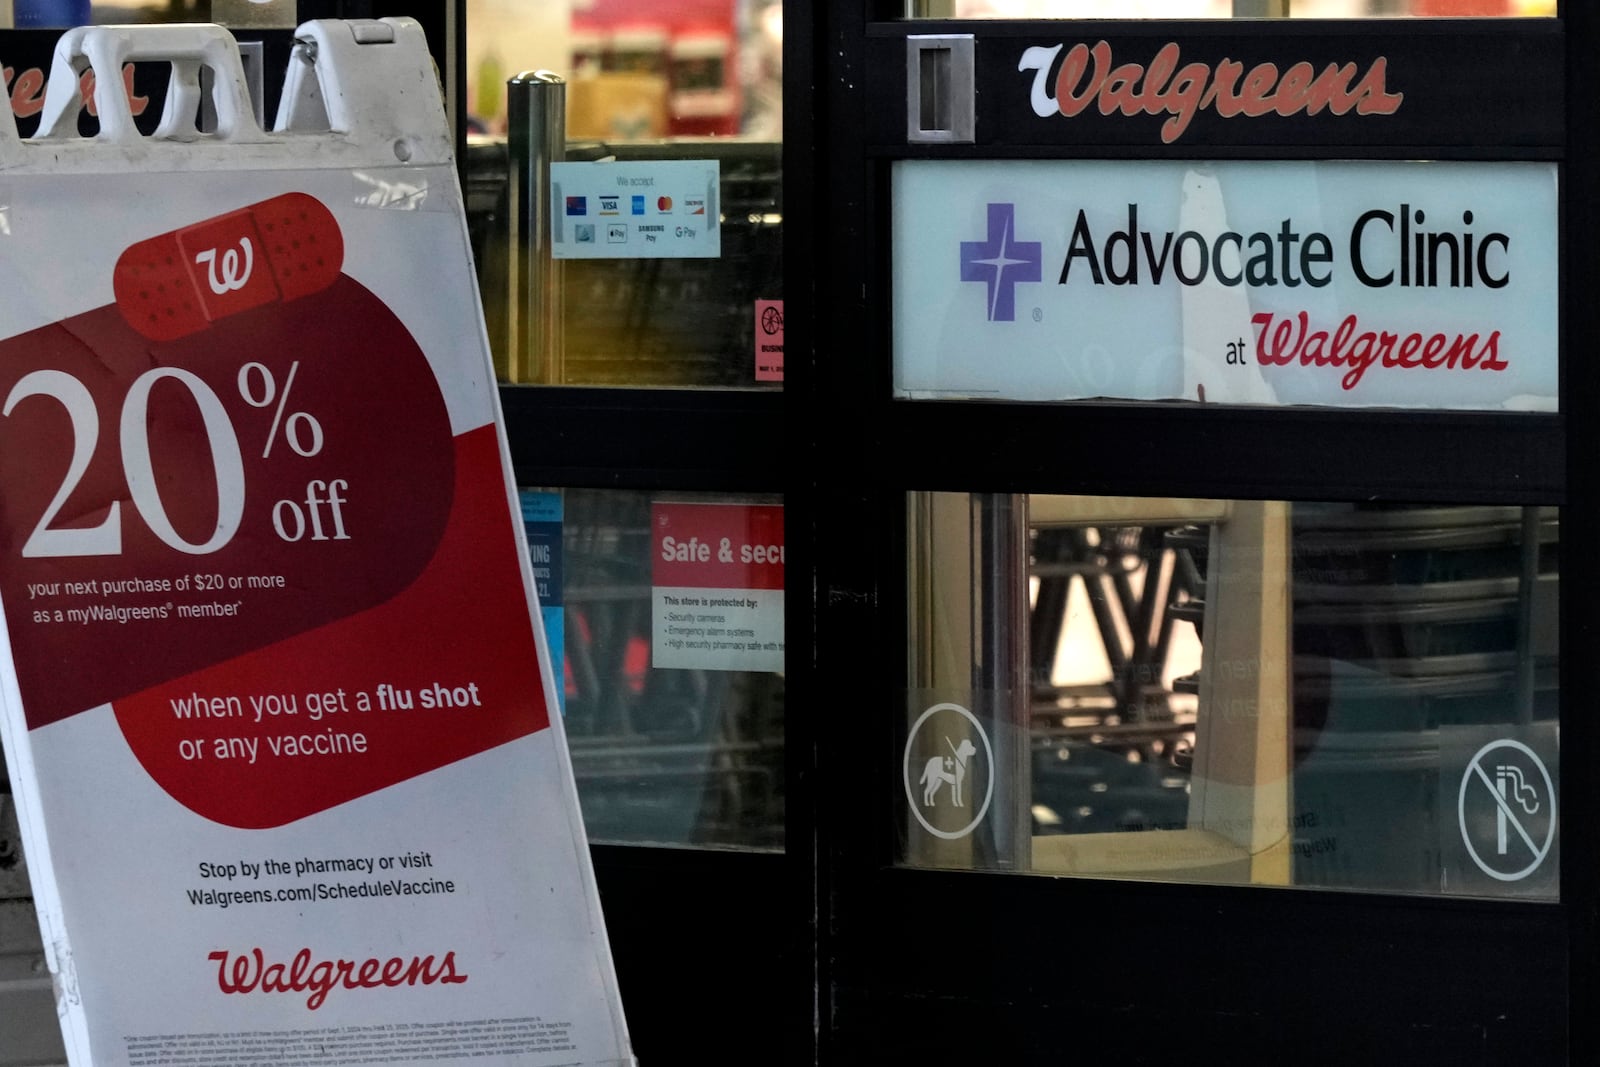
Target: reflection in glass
[
  {"x": 1328, "y": 695},
  {"x": 650, "y": 322},
  {"x": 690, "y": 80},
  {"x": 677, "y": 756}
]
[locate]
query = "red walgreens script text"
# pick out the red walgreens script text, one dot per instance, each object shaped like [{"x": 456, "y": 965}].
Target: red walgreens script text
[
  {"x": 251, "y": 973},
  {"x": 1181, "y": 93},
  {"x": 1293, "y": 339}
]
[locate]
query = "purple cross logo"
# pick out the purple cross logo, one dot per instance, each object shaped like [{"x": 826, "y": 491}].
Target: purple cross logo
[{"x": 1001, "y": 261}]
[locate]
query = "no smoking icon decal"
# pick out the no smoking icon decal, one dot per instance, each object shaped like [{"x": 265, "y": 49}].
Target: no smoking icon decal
[{"x": 1506, "y": 810}]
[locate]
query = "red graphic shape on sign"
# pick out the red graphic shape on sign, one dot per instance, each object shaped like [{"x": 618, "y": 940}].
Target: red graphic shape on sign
[
  {"x": 304, "y": 245},
  {"x": 343, "y": 465},
  {"x": 173, "y": 284},
  {"x": 459, "y": 639}
]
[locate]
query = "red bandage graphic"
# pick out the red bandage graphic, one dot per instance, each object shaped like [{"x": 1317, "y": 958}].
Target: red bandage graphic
[{"x": 174, "y": 284}]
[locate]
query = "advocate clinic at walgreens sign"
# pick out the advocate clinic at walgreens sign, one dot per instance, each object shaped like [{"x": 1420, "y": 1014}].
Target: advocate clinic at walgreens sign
[{"x": 1353, "y": 284}]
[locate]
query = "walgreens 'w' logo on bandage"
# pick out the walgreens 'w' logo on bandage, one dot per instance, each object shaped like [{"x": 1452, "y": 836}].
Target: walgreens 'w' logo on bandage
[
  {"x": 174, "y": 284},
  {"x": 232, "y": 276}
]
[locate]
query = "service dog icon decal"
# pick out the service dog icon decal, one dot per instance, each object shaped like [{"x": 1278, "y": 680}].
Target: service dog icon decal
[
  {"x": 948, "y": 764},
  {"x": 940, "y": 770}
]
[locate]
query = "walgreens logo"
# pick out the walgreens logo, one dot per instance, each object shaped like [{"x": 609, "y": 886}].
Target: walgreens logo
[
  {"x": 1091, "y": 77},
  {"x": 250, "y": 972}
]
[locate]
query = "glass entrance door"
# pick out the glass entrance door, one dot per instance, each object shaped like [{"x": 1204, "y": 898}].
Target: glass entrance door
[
  {"x": 628, "y": 190},
  {"x": 1190, "y": 664}
]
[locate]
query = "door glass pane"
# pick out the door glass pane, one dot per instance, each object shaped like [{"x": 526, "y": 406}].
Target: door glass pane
[
  {"x": 665, "y": 618},
  {"x": 1324, "y": 695},
  {"x": 651, "y": 255}
]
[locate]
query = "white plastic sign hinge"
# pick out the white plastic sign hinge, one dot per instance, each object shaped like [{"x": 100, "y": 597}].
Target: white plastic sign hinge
[
  {"x": 370, "y": 79},
  {"x": 106, "y": 49},
  {"x": 364, "y": 90}
]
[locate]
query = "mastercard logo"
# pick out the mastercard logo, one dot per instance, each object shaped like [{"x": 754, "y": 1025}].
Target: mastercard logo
[{"x": 663, "y": 203}]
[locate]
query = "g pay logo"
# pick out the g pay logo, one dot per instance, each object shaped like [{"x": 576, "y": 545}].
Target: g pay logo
[{"x": 1000, "y": 262}]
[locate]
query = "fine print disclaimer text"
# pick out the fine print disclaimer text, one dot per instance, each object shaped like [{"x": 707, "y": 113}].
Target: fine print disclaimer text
[
  {"x": 120, "y": 601},
  {"x": 441, "y": 1042}
]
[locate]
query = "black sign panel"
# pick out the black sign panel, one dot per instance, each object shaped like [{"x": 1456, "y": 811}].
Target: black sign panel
[{"x": 1356, "y": 89}]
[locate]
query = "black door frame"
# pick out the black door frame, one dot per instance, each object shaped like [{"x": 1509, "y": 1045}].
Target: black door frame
[
  {"x": 716, "y": 949},
  {"x": 712, "y": 947}
]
